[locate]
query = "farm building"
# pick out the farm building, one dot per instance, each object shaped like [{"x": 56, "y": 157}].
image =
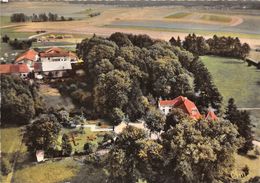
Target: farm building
[
  {"x": 183, "y": 103},
  {"x": 29, "y": 57},
  {"x": 17, "y": 69},
  {"x": 53, "y": 62}
]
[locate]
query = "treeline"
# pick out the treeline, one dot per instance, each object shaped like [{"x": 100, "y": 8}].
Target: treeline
[
  {"x": 128, "y": 73},
  {"x": 221, "y": 46},
  {"x": 21, "y": 44},
  {"x": 18, "y": 44},
  {"x": 42, "y": 17}
]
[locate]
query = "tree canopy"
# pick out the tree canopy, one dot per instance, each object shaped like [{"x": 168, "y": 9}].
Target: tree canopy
[
  {"x": 190, "y": 151},
  {"x": 124, "y": 69},
  {"x": 20, "y": 100}
]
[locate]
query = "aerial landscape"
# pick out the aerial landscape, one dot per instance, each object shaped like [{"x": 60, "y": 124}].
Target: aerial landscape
[{"x": 130, "y": 91}]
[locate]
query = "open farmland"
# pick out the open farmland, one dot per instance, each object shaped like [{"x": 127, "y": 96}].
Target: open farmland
[
  {"x": 216, "y": 18},
  {"x": 149, "y": 20},
  {"x": 178, "y": 15},
  {"x": 235, "y": 79}
]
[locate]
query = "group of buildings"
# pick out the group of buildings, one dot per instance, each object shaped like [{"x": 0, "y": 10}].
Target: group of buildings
[{"x": 54, "y": 62}]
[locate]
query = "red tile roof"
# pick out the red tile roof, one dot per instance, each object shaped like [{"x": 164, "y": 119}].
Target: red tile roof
[
  {"x": 183, "y": 103},
  {"x": 55, "y": 52},
  {"x": 13, "y": 68},
  {"x": 211, "y": 116},
  {"x": 28, "y": 55}
]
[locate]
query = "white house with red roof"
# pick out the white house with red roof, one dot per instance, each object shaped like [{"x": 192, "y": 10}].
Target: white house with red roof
[
  {"x": 56, "y": 54},
  {"x": 183, "y": 103},
  {"x": 29, "y": 57},
  {"x": 54, "y": 61},
  {"x": 187, "y": 106}
]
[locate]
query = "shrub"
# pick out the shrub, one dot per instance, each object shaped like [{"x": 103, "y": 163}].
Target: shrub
[{"x": 5, "y": 166}]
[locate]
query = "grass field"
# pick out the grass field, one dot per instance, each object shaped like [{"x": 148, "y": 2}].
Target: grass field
[
  {"x": 11, "y": 140},
  {"x": 13, "y": 33},
  {"x": 178, "y": 15},
  {"x": 253, "y": 165},
  {"x": 48, "y": 172},
  {"x": 216, "y": 18},
  {"x": 4, "y": 20},
  {"x": 235, "y": 79}
]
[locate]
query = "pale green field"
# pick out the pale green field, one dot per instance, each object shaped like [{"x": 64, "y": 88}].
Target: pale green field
[
  {"x": 11, "y": 140},
  {"x": 235, "y": 79},
  {"x": 178, "y": 15},
  {"x": 4, "y": 20},
  {"x": 216, "y": 18}
]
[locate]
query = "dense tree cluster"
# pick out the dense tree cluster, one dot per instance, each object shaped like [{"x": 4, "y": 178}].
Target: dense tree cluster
[
  {"x": 43, "y": 134},
  {"x": 242, "y": 120},
  {"x": 129, "y": 72},
  {"x": 21, "y": 44},
  {"x": 221, "y": 46},
  {"x": 189, "y": 151},
  {"x": 42, "y": 17},
  {"x": 20, "y": 100}
]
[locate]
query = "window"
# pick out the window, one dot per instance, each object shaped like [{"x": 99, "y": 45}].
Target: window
[{"x": 163, "y": 110}]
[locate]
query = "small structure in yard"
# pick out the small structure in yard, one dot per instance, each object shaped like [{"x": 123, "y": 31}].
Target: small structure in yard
[
  {"x": 183, "y": 103},
  {"x": 40, "y": 155}
]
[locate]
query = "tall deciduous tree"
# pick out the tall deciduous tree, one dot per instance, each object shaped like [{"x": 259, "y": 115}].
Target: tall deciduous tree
[{"x": 43, "y": 134}]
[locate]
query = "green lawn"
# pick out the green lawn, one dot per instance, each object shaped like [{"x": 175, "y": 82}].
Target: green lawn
[
  {"x": 235, "y": 79},
  {"x": 216, "y": 18},
  {"x": 13, "y": 33},
  {"x": 82, "y": 138},
  {"x": 178, "y": 15},
  {"x": 5, "y": 20},
  {"x": 10, "y": 139},
  {"x": 253, "y": 165},
  {"x": 48, "y": 172}
]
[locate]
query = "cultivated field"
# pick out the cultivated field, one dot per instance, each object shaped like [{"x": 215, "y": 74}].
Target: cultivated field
[{"x": 158, "y": 22}]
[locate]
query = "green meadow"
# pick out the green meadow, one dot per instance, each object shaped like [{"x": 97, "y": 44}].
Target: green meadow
[
  {"x": 216, "y": 18},
  {"x": 235, "y": 79},
  {"x": 178, "y": 15}
]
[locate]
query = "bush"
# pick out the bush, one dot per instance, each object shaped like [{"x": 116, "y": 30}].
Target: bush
[
  {"x": 89, "y": 148},
  {"x": 5, "y": 166}
]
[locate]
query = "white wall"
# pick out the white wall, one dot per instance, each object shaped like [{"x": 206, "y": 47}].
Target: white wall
[
  {"x": 165, "y": 109},
  {"x": 56, "y": 66},
  {"x": 55, "y": 59}
]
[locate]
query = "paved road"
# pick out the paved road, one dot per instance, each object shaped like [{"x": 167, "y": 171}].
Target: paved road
[{"x": 248, "y": 109}]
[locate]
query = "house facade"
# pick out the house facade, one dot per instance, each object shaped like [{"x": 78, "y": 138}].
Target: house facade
[
  {"x": 187, "y": 106},
  {"x": 29, "y": 57},
  {"x": 183, "y": 103}
]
